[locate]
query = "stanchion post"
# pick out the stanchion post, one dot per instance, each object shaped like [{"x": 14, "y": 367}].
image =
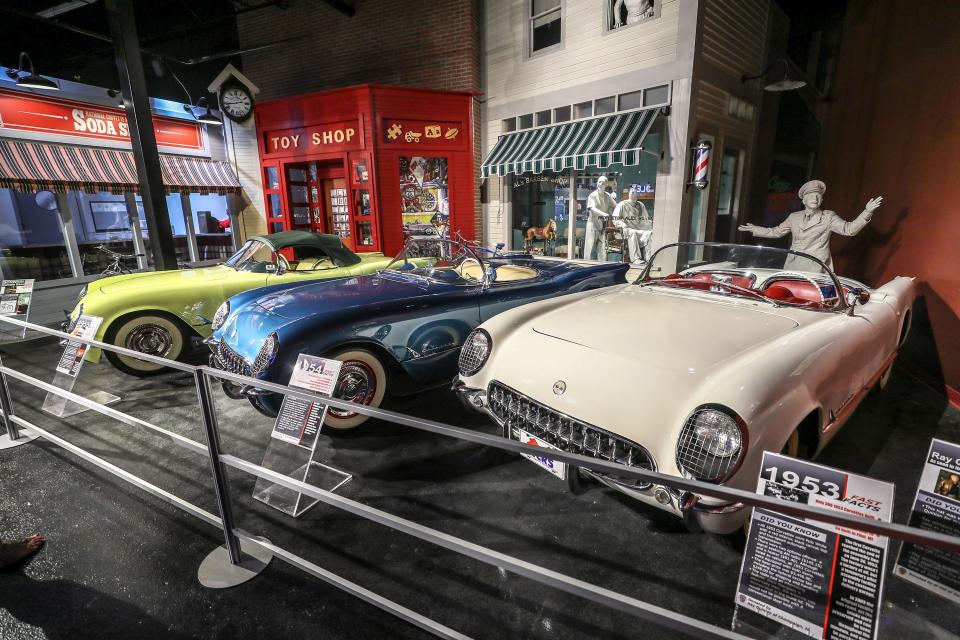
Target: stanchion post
[
  {"x": 225, "y": 566},
  {"x": 7, "y": 407},
  {"x": 216, "y": 467},
  {"x": 13, "y": 437}
]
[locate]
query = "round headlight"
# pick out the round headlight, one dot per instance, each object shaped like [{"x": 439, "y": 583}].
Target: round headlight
[
  {"x": 711, "y": 444},
  {"x": 717, "y": 432},
  {"x": 220, "y": 316},
  {"x": 476, "y": 350},
  {"x": 267, "y": 354}
]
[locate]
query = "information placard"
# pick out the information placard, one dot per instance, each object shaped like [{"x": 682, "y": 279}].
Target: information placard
[
  {"x": 72, "y": 358},
  {"x": 299, "y": 420},
  {"x": 15, "y": 297},
  {"x": 822, "y": 580},
  {"x": 936, "y": 507},
  {"x": 298, "y": 423}
]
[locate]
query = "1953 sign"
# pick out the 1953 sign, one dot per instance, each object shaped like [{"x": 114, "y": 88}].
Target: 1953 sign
[{"x": 55, "y": 116}]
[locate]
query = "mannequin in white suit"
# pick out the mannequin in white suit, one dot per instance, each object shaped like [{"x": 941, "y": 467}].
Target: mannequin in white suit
[
  {"x": 810, "y": 229},
  {"x": 599, "y": 207}
]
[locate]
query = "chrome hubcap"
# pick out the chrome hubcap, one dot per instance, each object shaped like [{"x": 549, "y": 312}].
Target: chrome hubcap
[
  {"x": 357, "y": 383},
  {"x": 151, "y": 339}
]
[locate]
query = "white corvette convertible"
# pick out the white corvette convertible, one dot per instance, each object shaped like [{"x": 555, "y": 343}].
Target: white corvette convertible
[{"x": 715, "y": 354}]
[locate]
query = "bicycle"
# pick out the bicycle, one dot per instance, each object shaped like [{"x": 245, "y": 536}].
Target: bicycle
[{"x": 115, "y": 266}]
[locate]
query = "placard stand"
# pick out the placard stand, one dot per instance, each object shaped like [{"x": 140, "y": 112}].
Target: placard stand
[
  {"x": 15, "y": 298},
  {"x": 68, "y": 369},
  {"x": 293, "y": 441}
]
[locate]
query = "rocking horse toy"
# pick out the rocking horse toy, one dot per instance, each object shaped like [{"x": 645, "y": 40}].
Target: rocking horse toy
[{"x": 547, "y": 234}]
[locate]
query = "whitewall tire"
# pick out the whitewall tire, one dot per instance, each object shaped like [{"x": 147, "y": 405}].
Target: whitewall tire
[
  {"x": 363, "y": 379},
  {"x": 155, "y": 334}
]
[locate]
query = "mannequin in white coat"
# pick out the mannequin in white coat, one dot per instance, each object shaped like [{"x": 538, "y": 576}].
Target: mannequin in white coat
[
  {"x": 632, "y": 218},
  {"x": 599, "y": 206}
]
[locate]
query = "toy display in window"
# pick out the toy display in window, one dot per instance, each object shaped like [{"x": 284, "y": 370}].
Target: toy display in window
[
  {"x": 423, "y": 188},
  {"x": 546, "y": 234}
]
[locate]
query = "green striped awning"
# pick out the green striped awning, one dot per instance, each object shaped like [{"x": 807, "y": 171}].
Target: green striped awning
[{"x": 596, "y": 142}]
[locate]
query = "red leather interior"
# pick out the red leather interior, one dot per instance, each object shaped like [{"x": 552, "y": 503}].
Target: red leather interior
[
  {"x": 744, "y": 282},
  {"x": 800, "y": 289}
]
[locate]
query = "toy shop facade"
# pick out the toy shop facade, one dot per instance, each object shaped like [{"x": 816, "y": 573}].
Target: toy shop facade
[{"x": 371, "y": 164}]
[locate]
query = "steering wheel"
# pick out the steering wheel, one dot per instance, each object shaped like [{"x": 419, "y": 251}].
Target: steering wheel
[
  {"x": 317, "y": 262},
  {"x": 796, "y": 274}
]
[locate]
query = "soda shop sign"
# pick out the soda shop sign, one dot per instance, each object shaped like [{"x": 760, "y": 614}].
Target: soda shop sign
[{"x": 55, "y": 116}]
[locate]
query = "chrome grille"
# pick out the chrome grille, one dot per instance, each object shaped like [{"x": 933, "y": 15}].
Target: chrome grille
[
  {"x": 693, "y": 457},
  {"x": 471, "y": 356},
  {"x": 566, "y": 433},
  {"x": 229, "y": 360}
]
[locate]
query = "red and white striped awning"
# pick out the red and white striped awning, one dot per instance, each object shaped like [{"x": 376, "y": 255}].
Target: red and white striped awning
[{"x": 31, "y": 166}]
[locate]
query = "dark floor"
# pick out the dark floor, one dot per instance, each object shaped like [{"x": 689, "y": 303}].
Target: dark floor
[{"x": 120, "y": 563}]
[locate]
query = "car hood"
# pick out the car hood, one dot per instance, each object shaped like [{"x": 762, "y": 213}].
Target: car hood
[
  {"x": 344, "y": 293},
  {"x": 652, "y": 326},
  {"x": 163, "y": 279}
]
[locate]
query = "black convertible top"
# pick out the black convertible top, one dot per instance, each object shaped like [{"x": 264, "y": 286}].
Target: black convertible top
[{"x": 331, "y": 245}]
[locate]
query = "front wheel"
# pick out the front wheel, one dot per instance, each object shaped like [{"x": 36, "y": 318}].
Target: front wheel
[
  {"x": 363, "y": 379},
  {"x": 153, "y": 334}
]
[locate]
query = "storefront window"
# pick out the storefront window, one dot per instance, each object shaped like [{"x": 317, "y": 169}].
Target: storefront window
[
  {"x": 424, "y": 194},
  {"x": 101, "y": 220},
  {"x": 212, "y": 226},
  {"x": 625, "y": 234},
  {"x": 540, "y": 217},
  {"x": 31, "y": 240}
]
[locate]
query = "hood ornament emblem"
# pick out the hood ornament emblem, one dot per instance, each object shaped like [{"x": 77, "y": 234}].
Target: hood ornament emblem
[{"x": 559, "y": 387}]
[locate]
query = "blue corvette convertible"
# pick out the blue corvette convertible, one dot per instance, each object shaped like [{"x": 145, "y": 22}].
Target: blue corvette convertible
[{"x": 399, "y": 330}]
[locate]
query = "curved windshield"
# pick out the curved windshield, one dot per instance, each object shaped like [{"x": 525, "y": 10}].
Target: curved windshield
[
  {"x": 777, "y": 276},
  {"x": 439, "y": 260},
  {"x": 254, "y": 256}
]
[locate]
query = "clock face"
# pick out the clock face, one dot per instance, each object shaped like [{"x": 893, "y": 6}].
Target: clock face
[{"x": 236, "y": 102}]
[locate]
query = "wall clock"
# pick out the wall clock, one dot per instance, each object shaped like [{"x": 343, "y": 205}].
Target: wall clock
[{"x": 236, "y": 101}]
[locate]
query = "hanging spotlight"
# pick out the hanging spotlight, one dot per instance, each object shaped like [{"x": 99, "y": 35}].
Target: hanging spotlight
[
  {"x": 115, "y": 93},
  {"x": 29, "y": 79},
  {"x": 784, "y": 84},
  {"x": 207, "y": 116}
]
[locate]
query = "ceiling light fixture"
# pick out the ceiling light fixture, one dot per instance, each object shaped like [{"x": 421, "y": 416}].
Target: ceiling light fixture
[
  {"x": 29, "y": 79},
  {"x": 115, "y": 93},
  {"x": 784, "y": 84}
]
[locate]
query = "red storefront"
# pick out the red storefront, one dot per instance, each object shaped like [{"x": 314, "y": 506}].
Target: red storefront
[{"x": 364, "y": 161}]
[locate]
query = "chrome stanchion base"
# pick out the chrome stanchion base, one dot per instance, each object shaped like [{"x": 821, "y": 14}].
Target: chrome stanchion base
[
  {"x": 25, "y": 437},
  {"x": 216, "y": 571}
]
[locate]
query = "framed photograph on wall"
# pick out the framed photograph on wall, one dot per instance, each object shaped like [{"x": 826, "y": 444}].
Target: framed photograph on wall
[
  {"x": 360, "y": 173},
  {"x": 363, "y": 202}
]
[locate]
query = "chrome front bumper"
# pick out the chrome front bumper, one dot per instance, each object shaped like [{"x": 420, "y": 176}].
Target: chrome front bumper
[
  {"x": 473, "y": 399},
  {"x": 698, "y": 515}
]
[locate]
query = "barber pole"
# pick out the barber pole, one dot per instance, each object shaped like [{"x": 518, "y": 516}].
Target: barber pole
[{"x": 701, "y": 164}]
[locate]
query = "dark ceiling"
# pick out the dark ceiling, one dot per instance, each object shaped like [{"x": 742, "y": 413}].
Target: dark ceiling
[{"x": 181, "y": 32}]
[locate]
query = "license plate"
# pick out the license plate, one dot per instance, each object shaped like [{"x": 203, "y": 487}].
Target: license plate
[{"x": 555, "y": 467}]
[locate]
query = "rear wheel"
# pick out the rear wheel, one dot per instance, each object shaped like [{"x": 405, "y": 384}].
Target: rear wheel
[
  {"x": 363, "y": 379},
  {"x": 150, "y": 333}
]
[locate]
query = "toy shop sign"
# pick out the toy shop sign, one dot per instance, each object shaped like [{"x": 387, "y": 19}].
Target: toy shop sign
[
  {"x": 55, "y": 116},
  {"x": 423, "y": 133},
  {"x": 334, "y": 136}
]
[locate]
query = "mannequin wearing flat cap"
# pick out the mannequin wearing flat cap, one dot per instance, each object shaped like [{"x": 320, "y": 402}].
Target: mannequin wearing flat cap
[{"x": 810, "y": 229}]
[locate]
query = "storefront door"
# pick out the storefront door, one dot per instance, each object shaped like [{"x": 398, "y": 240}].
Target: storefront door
[
  {"x": 303, "y": 194},
  {"x": 337, "y": 210},
  {"x": 317, "y": 195}
]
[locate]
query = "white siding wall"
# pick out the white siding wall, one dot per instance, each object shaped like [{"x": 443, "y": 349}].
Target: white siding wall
[
  {"x": 244, "y": 158},
  {"x": 591, "y": 63},
  {"x": 588, "y": 52}
]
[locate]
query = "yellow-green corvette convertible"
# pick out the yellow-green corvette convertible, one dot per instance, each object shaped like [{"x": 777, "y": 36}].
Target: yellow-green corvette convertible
[{"x": 159, "y": 312}]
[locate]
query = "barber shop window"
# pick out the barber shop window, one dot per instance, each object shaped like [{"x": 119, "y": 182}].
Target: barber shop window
[{"x": 544, "y": 25}]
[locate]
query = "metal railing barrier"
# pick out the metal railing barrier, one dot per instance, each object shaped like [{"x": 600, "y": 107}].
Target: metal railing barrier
[{"x": 239, "y": 544}]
